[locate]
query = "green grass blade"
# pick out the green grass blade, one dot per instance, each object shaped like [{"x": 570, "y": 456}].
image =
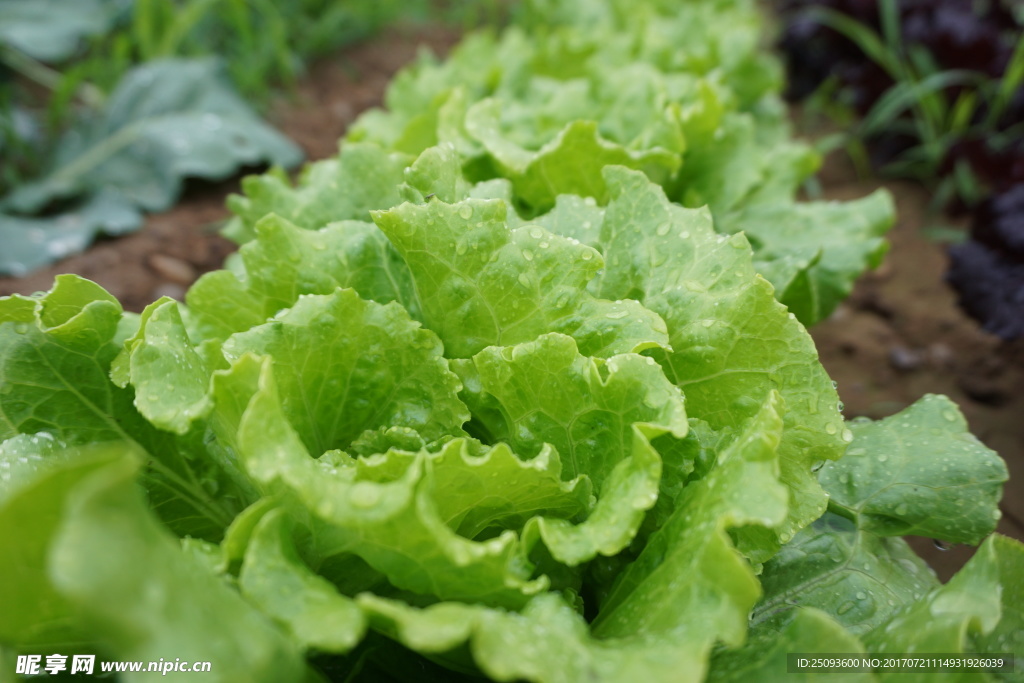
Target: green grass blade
[
  {"x": 863, "y": 36},
  {"x": 905, "y": 96},
  {"x": 889, "y": 13},
  {"x": 183, "y": 24},
  {"x": 1012, "y": 79}
]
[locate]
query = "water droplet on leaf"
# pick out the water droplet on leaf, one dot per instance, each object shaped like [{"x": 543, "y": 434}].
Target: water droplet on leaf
[{"x": 365, "y": 494}]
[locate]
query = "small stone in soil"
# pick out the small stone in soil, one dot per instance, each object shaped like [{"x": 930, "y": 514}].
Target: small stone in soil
[
  {"x": 173, "y": 269},
  {"x": 904, "y": 359},
  {"x": 941, "y": 355},
  {"x": 170, "y": 289}
]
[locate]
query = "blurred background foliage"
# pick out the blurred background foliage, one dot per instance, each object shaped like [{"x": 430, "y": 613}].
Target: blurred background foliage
[
  {"x": 933, "y": 91},
  {"x": 99, "y": 100}
]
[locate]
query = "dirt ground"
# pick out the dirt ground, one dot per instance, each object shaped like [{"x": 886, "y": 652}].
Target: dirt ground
[
  {"x": 898, "y": 337},
  {"x": 177, "y": 246}
]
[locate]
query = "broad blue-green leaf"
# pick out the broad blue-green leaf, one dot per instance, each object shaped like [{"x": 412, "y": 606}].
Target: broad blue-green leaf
[
  {"x": 346, "y": 365},
  {"x": 276, "y": 579},
  {"x": 731, "y": 341},
  {"x": 857, "y": 578},
  {"x": 362, "y": 178},
  {"x": 52, "y": 30},
  {"x": 31, "y": 242},
  {"x": 166, "y": 121},
  {"x": 919, "y": 472},
  {"x": 689, "y": 583},
  {"x": 480, "y": 283}
]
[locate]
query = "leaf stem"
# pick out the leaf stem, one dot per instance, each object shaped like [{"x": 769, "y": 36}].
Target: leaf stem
[
  {"x": 841, "y": 510},
  {"x": 43, "y": 75}
]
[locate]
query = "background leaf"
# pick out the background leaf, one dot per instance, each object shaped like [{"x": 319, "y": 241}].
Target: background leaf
[{"x": 53, "y": 30}]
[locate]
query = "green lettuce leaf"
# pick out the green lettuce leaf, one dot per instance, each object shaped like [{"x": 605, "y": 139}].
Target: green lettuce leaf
[
  {"x": 78, "y": 552},
  {"x": 634, "y": 87},
  {"x": 284, "y": 261},
  {"x": 471, "y": 506},
  {"x": 168, "y": 374},
  {"x": 731, "y": 341},
  {"x": 346, "y": 365},
  {"x": 859, "y": 579},
  {"x": 1008, "y": 636},
  {"x": 362, "y": 178},
  {"x": 392, "y": 525},
  {"x": 275, "y": 578},
  {"x": 599, "y": 416},
  {"x": 37, "y": 475},
  {"x": 813, "y": 252},
  {"x": 530, "y": 645},
  {"x": 570, "y": 163},
  {"x": 919, "y": 472},
  {"x": 764, "y": 657},
  {"x": 480, "y": 283},
  {"x": 947, "y": 618},
  {"x": 689, "y": 581},
  {"x": 56, "y": 352},
  {"x": 431, "y": 417}
]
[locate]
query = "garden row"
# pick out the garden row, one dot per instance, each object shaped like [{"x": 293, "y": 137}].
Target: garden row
[{"x": 507, "y": 388}]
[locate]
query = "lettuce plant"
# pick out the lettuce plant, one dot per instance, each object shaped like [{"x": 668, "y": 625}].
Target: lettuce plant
[
  {"x": 437, "y": 439},
  {"x": 682, "y": 92},
  {"x": 421, "y": 429}
]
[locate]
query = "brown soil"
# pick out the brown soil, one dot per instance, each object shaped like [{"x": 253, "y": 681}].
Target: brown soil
[
  {"x": 177, "y": 246},
  {"x": 899, "y": 336}
]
